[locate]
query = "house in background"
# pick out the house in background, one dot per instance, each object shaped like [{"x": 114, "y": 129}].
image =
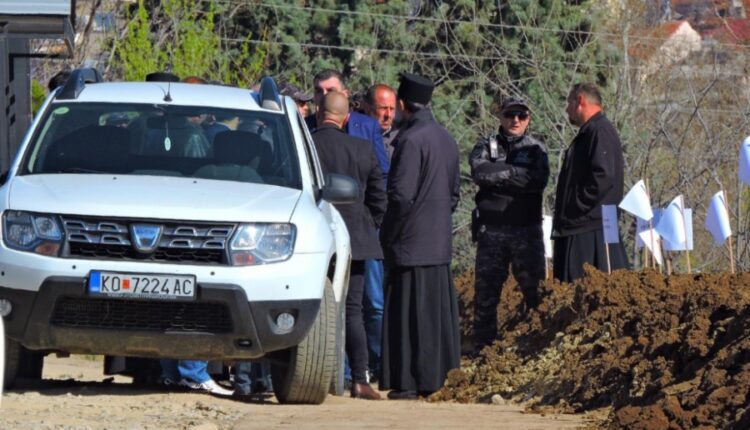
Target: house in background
[{"x": 667, "y": 44}]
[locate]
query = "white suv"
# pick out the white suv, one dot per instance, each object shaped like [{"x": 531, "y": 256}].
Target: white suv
[{"x": 173, "y": 220}]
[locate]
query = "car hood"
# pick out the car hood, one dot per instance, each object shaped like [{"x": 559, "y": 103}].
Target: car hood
[{"x": 152, "y": 197}]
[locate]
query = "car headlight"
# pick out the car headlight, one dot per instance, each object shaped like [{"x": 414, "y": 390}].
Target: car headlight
[
  {"x": 262, "y": 243},
  {"x": 31, "y": 232}
]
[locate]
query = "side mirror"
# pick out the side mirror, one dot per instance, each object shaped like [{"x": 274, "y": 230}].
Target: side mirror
[{"x": 340, "y": 189}]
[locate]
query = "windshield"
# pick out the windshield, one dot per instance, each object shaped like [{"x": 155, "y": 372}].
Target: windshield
[{"x": 139, "y": 139}]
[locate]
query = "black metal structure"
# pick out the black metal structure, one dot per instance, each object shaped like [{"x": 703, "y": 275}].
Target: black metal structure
[{"x": 21, "y": 22}]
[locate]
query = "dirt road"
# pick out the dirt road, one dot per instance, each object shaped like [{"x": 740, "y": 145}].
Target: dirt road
[{"x": 73, "y": 395}]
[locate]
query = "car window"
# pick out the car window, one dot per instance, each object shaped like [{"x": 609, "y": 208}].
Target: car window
[
  {"x": 188, "y": 141},
  {"x": 312, "y": 165}
]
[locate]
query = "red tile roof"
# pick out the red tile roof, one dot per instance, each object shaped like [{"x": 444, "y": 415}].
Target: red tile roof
[
  {"x": 666, "y": 29},
  {"x": 651, "y": 39},
  {"x": 732, "y": 30}
]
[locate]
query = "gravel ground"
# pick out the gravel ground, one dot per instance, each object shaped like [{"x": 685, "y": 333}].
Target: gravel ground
[{"x": 74, "y": 394}]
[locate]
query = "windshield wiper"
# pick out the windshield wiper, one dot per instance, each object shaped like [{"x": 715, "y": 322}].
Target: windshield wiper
[{"x": 78, "y": 170}]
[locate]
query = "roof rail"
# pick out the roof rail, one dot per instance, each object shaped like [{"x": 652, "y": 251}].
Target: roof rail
[
  {"x": 269, "y": 94},
  {"x": 77, "y": 82},
  {"x": 162, "y": 77}
]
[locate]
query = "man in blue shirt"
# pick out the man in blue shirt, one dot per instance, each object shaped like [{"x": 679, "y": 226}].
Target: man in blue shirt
[
  {"x": 364, "y": 127},
  {"x": 357, "y": 124}
]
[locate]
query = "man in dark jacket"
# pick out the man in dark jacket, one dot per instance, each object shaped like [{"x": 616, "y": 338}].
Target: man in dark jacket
[
  {"x": 420, "y": 323},
  {"x": 364, "y": 127},
  {"x": 344, "y": 154},
  {"x": 591, "y": 176},
  {"x": 511, "y": 170}
]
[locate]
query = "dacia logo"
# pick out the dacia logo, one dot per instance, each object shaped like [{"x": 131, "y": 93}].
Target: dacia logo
[{"x": 145, "y": 237}]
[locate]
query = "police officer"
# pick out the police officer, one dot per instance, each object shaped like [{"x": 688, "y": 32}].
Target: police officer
[{"x": 511, "y": 170}]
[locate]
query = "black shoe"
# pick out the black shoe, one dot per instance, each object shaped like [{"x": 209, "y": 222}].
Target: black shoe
[
  {"x": 402, "y": 395},
  {"x": 242, "y": 394},
  {"x": 260, "y": 387},
  {"x": 531, "y": 300}
]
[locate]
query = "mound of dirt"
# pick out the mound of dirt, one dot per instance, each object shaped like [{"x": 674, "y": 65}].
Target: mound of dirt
[{"x": 663, "y": 352}]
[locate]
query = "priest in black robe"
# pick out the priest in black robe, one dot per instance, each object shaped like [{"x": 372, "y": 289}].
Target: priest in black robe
[{"x": 420, "y": 323}]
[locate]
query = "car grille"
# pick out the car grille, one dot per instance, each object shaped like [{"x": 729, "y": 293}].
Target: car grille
[
  {"x": 155, "y": 315},
  {"x": 180, "y": 242}
]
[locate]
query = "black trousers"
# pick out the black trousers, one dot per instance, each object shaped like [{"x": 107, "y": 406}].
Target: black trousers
[
  {"x": 356, "y": 338},
  {"x": 571, "y": 252},
  {"x": 522, "y": 249}
]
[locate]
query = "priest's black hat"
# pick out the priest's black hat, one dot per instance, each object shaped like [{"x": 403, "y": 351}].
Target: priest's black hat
[{"x": 415, "y": 88}]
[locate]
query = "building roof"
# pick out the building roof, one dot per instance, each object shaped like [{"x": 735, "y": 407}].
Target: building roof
[
  {"x": 39, "y": 19},
  {"x": 36, "y": 7},
  {"x": 732, "y": 30},
  {"x": 650, "y": 40}
]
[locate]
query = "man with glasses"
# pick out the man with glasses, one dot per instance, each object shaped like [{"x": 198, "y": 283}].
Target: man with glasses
[{"x": 511, "y": 170}]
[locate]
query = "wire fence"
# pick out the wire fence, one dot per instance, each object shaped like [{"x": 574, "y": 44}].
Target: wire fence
[{"x": 682, "y": 105}]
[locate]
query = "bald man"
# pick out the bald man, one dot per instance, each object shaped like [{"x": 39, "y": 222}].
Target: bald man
[
  {"x": 351, "y": 156},
  {"x": 381, "y": 105}
]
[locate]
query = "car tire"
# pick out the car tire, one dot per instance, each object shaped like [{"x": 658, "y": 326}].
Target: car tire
[
  {"x": 302, "y": 374},
  {"x": 20, "y": 363}
]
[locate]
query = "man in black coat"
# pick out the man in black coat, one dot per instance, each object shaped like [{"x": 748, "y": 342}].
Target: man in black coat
[
  {"x": 591, "y": 176},
  {"x": 341, "y": 153},
  {"x": 420, "y": 322}
]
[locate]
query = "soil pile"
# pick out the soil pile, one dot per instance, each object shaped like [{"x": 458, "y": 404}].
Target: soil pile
[{"x": 664, "y": 352}]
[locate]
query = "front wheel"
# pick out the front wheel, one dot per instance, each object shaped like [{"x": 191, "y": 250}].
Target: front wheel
[
  {"x": 302, "y": 374},
  {"x": 20, "y": 363}
]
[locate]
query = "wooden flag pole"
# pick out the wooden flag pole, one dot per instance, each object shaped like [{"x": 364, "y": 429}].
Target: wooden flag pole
[
  {"x": 546, "y": 269},
  {"x": 666, "y": 264},
  {"x": 684, "y": 226},
  {"x": 731, "y": 252},
  {"x": 731, "y": 255},
  {"x": 609, "y": 268},
  {"x": 651, "y": 228},
  {"x": 668, "y": 260}
]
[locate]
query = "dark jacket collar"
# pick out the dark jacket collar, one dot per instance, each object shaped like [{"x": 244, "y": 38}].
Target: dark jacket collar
[
  {"x": 422, "y": 115},
  {"x": 354, "y": 118},
  {"x": 591, "y": 121},
  {"x": 510, "y": 140},
  {"x": 326, "y": 126}
]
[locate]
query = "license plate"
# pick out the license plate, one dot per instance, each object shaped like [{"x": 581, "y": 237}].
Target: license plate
[{"x": 141, "y": 285}]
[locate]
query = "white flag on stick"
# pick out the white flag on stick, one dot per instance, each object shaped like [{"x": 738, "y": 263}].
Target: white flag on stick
[
  {"x": 636, "y": 202},
  {"x": 744, "y": 168},
  {"x": 669, "y": 246},
  {"x": 717, "y": 219},
  {"x": 547, "y": 232},
  {"x": 609, "y": 224},
  {"x": 651, "y": 236},
  {"x": 672, "y": 224},
  {"x": 643, "y": 225}
]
